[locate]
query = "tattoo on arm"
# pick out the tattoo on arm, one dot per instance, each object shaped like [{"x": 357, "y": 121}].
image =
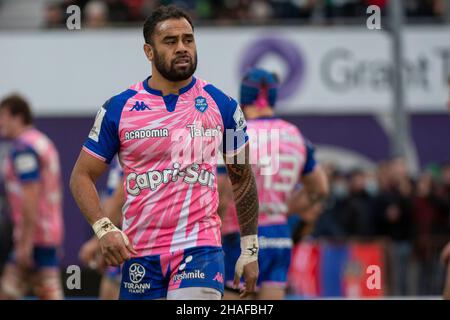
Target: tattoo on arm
[{"x": 245, "y": 196}]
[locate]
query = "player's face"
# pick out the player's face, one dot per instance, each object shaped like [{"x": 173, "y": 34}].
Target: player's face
[
  {"x": 174, "y": 53},
  {"x": 7, "y": 123}
]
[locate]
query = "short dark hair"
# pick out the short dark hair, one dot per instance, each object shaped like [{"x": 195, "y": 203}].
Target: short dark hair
[
  {"x": 163, "y": 13},
  {"x": 18, "y": 106}
]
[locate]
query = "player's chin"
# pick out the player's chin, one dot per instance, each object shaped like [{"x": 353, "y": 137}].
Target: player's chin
[
  {"x": 182, "y": 75},
  {"x": 183, "y": 70}
]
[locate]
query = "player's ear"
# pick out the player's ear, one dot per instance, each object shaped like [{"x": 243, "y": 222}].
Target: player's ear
[{"x": 148, "y": 51}]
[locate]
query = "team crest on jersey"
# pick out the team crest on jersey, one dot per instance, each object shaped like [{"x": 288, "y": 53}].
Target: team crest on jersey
[{"x": 201, "y": 104}]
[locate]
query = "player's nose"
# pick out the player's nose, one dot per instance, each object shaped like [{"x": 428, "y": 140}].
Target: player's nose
[{"x": 181, "y": 48}]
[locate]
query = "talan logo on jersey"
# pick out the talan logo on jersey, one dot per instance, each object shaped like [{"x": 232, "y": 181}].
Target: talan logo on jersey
[
  {"x": 201, "y": 131},
  {"x": 201, "y": 104},
  {"x": 239, "y": 118},
  {"x": 137, "y": 273},
  {"x": 140, "y": 106}
]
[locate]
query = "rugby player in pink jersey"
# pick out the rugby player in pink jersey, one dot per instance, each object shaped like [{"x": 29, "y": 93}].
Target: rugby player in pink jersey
[
  {"x": 34, "y": 192},
  {"x": 167, "y": 131},
  {"x": 281, "y": 158}
]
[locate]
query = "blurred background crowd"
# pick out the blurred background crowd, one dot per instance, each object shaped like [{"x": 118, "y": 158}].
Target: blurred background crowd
[
  {"x": 104, "y": 13},
  {"x": 410, "y": 212}
]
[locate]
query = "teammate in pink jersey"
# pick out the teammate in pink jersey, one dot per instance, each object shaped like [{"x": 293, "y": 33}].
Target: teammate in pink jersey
[
  {"x": 167, "y": 131},
  {"x": 281, "y": 158},
  {"x": 33, "y": 186}
]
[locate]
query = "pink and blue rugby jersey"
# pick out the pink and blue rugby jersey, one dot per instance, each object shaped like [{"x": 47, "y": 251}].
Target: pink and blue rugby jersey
[
  {"x": 34, "y": 158},
  {"x": 276, "y": 173},
  {"x": 167, "y": 147}
]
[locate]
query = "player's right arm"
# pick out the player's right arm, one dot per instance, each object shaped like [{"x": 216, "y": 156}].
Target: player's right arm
[
  {"x": 101, "y": 146},
  {"x": 112, "y": 206},
  {"x": 85, "y": 173},
  {"x": 114, "y": 245}
]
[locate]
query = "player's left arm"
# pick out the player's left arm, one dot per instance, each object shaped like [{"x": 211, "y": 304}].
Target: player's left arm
[
  {"x": 247, "y": 207},
  {"x": 245, "y": 193},
  {"x": 225, "y": 195},
  {"x": 29, "y": 217},
  {"x": 235, "y": 148},
  {"x": 315, "y": 185}
]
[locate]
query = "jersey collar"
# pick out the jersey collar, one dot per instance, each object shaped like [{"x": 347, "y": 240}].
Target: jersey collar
[{"x": 159, "y": 92}]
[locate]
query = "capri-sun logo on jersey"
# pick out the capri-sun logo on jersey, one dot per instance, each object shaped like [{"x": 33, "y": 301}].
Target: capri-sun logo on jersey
[
  {"x": 136, "y": 272},
  {"x": 152, "y": 179}
]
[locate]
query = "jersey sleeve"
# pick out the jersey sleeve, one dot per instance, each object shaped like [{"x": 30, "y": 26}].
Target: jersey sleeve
[
  {"x": 310, "y": 162},
  {"x": 103, "y": 141},
  {"x": 235, "y": 127},
  {"x": 26, "y": 164}
]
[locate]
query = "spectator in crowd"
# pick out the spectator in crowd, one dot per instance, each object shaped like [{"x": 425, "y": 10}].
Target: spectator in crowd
[
  {"x": 426, "y": 218},
  {"x": 118, "y": 11},
  {"x": 425, "y": 8},
  {"x": 393, "y": 209},
  {"x": 54, "y": 16},
  {"x": 327, "y": 224},
  {"x": 356, "y": 217},
  {"x": 292, "y": 9},
  {"x": 442, "y": 199},
  {"x": 343, "y": 8},
  {"x": 97, "y": 14},
  {"x": 260, "y": 11}
]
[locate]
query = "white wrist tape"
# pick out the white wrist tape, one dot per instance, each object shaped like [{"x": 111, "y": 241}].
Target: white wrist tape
[
  {"x": 104, "y": 226},
  {"x": 249, "y": 253}
]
